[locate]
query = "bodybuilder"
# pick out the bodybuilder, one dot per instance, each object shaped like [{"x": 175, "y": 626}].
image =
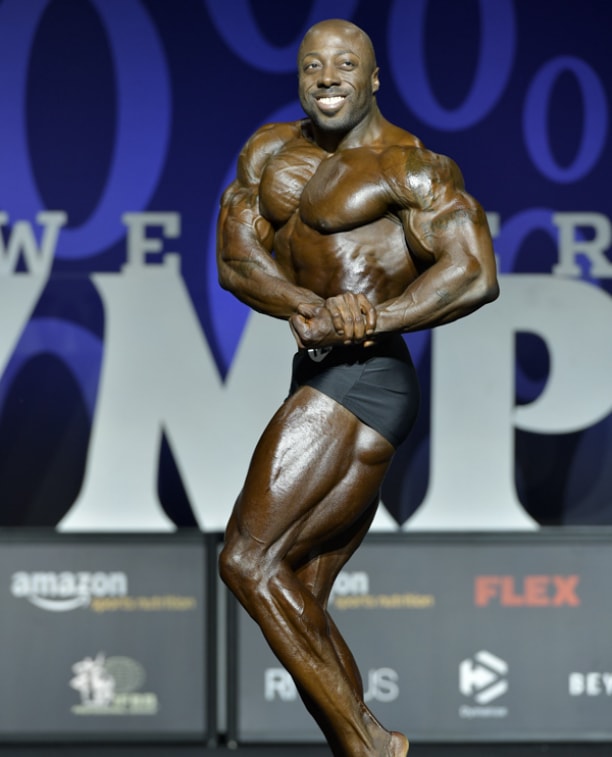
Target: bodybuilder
[{"x": 345, "y": 226}]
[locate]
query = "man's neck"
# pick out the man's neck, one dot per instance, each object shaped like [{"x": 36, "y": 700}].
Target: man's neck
[{"x": 366, "y": 133}]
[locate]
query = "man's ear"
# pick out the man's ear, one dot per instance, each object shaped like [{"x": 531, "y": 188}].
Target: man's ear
[{"x": 375, "y": 80}]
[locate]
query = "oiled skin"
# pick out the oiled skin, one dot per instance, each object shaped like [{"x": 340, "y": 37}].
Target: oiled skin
[{"x": 347, "y": 227}]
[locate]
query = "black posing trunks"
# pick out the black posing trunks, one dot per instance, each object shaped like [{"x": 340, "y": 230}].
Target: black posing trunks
[{"x": 378, "y": 384}]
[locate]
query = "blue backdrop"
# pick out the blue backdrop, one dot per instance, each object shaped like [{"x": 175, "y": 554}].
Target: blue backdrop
[{"x": 125, "y": 106}]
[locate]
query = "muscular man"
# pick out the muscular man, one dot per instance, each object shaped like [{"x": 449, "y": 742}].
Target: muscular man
[{"x": 348, "y": 228}]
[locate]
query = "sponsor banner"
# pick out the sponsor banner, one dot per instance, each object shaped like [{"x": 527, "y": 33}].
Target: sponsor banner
[
  {"x": 489, "y": 637},
  {"x": 103, "y": 636}
]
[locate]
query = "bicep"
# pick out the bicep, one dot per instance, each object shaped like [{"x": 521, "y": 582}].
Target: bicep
[{"x": 452, "y": 230}]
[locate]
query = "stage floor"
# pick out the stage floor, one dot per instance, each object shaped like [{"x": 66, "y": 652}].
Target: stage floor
[{"x": 265, "y": 750}]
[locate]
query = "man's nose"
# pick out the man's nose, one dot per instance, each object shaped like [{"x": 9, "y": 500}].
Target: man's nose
[{"x": 328, "y": 76}]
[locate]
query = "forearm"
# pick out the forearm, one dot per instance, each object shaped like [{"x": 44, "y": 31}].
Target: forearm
[
  {"x": 438, "y": 296},
  {"x": 245, "y": 263},
  {"x": 263, "y": 287}
]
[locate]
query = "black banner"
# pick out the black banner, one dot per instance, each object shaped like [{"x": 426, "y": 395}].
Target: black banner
[
  {"x": 103, "y": 636},
  {"x": 458, "y": 637}
]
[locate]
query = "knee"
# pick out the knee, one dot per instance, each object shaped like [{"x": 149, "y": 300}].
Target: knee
[
  {"x": 240, "y": 567},
  {"x": 230, "y": 565}
]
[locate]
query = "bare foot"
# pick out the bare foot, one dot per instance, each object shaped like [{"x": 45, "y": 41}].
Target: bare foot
[{"x": 398, "y": 746}]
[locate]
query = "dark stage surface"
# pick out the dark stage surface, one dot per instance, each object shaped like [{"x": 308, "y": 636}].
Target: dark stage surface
[{"x": 264, "y": 750}]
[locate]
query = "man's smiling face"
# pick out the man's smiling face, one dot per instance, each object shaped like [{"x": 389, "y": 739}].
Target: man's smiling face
[{"x": 337, "y": 76}]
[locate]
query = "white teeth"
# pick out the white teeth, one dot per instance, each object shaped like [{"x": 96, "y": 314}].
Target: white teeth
[{"x": 331, "y": 100}]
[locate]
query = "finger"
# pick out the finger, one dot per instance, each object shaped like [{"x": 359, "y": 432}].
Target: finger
[
  {"x": 307, "y": 309},
  {"x": 294, "y": 324},
  {"x": 347, "y": 316},
  {"x": 335, "y": 307},
  {"x": 369, "y": 312},
  {"x": 355, "y": 319}
]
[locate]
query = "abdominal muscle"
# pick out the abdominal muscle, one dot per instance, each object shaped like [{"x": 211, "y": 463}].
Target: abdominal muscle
[{"x": 372, "y": 259}]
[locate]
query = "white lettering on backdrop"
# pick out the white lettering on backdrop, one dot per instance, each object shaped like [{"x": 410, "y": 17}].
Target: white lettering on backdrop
[{"x": 158, "y": 375}]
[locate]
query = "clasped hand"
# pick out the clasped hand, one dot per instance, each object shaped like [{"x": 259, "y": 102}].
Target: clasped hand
[{"x": 347, "y": 318}]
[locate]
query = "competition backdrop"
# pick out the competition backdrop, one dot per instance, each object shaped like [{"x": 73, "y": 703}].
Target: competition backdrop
[{"x": 132, "y": 389}]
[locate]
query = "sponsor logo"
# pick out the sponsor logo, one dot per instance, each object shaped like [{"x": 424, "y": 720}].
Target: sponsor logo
[
  {"x": 99, "y": 591},
  {"x": 317, "y": 354},
  {"x": 278, "y": 684},
  {"x": 530, "y": 591},
  {"x": 483, "y": 678},
  {"x": 110, "y": 686},
  {"x": 590, "y": 684},
  {"x": 58, "y": 592},
  {"x": 351, "y": 591},
  {"x": 355, "y": 583},
  {"x": 382, "y": 685}
]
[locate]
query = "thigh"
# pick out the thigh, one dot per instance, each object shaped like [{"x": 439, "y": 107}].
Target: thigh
[{"x": 314, "y": 473}]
